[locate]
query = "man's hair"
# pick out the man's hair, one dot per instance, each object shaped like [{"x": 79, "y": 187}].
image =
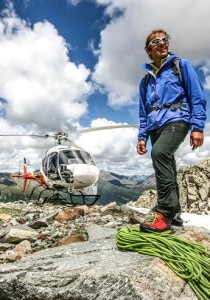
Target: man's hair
[{"x": 155, "y": 31}]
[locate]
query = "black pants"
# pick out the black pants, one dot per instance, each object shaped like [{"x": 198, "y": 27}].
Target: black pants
[{"x": 165, "y": 141}]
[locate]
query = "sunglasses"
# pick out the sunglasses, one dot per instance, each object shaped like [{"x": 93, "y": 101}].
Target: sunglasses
[{"x": 158, "y": 41}]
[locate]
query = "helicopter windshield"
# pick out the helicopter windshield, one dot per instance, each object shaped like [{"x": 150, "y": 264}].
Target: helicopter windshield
[{"x": 75, "y": 156}]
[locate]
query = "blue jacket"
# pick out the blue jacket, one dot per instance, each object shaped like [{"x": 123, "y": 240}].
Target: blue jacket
[{"x": 165, "y": 87}]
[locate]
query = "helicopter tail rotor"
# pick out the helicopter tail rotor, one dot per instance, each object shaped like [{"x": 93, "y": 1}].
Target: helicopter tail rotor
[
  {"x": 25, "y": 171},
  {"x": 23, "y": 175}
]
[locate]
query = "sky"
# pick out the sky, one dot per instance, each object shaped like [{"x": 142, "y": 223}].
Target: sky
[{"x": 68, "y": 65}]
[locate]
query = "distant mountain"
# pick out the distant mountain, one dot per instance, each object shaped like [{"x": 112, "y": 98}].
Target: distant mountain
[
  {"x": 111, "y": 187},
  {"x": 138, "y": 178},
  {"x": 120, "y": 188},
  {"x": 6, "y": 179},
  {"x": 149, "y": 182},
  {"x": 8, "y": 189}
]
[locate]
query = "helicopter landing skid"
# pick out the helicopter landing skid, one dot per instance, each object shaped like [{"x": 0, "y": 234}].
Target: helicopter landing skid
[
  {"x": 65, "y": 196},
  {"x": 86, "y": 199}
]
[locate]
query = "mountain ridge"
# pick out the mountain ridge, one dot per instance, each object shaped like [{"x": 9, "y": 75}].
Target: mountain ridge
[{"x": 111, "y": 187}]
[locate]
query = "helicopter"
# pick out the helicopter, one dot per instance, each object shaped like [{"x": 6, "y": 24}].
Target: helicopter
[{"x": 69, "y": 172}]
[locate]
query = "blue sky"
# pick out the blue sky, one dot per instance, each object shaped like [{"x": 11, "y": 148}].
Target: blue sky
[
  {"x": 79, "y": 25},
  {"x": 76, "y": 23},
  {"x": 77, "y": 63}
]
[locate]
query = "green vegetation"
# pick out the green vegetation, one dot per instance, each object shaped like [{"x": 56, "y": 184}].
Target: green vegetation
[
  {"x": 10, "y": 193},
  {"x": 11, "y": 211}
]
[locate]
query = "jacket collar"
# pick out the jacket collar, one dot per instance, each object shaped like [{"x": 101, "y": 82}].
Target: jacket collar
[
  {"x": 156, "y": 69},
  {"x": 150, "y": 67}
]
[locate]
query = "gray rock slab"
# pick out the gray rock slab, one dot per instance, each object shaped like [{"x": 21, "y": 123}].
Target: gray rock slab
[
  {"x": 96, "y": 232},
  {"x": 92, "y": 270},
  {"x": 5, "y": 230}
]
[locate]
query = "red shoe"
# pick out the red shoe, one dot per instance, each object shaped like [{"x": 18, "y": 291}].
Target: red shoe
[{"x": 155, "y": 221}]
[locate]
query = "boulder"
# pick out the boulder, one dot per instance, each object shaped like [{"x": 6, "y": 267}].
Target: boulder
[{"x": 94, "y": 269}]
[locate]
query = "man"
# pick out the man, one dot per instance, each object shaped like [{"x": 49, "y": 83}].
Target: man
[{"x": 168, "y": 109}]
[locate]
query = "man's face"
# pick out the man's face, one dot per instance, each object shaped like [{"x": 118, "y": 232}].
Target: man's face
[{"x": 160, "y": 50}]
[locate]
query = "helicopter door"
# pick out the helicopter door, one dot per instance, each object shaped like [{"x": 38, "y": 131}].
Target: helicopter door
[{"x": 52, "y": 166}]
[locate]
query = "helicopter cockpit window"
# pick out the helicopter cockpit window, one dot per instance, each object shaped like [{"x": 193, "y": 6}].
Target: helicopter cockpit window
[
  {"x": 52, "y": 165},
  {"x": 75, "y": 157},
  {"x": 44, "y": 165}
]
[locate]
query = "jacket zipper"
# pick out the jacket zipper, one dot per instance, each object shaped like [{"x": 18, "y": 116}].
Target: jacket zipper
[{"x": 155, "y": 113}]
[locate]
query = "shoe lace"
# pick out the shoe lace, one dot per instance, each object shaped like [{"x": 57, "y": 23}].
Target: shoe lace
[{"x": 152, "y": 218}]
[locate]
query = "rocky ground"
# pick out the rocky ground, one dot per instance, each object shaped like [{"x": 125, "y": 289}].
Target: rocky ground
[
  {"x": 69, "y": 253},
  {"x": 55, "y": 251},
  {"x": 27, "y": 227}
]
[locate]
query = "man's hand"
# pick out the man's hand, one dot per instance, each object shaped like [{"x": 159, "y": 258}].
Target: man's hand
[
  {"x": 141, "y": 147},
  {"x": 196, "y": 139}
]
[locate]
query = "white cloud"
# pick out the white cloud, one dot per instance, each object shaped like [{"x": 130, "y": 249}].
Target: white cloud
[
  {"x": 122, "y": 41},
  {"x": 41, "y": 84},
  {"x": 44, "y": 89},
  {"x": 207, "y": 82},
  {"x": 186, "y": 156},
  {"x": 115, "y": 149}
]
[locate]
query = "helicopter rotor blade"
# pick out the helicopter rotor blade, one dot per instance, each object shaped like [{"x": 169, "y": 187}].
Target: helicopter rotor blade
[
  {"x": 78, "y": 132},
  {"x": 106, "y": 128},
  {"x": 63, "y": 136},
  {"x": 25, "y": 135}
]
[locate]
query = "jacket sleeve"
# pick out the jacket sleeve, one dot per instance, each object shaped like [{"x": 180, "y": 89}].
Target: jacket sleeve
[
  {"x": 195, "y": 95},
  {"x": 143, "y": 135}
]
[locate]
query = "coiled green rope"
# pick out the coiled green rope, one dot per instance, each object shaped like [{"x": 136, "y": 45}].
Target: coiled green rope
[{"x": 188, "y": 260}]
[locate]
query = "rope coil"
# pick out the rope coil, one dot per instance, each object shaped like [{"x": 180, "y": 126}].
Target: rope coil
[{"x": 188, "y": 260}]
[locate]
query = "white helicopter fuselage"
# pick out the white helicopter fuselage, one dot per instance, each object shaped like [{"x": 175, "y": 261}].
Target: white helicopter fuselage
[
  {"x": 69, "y": 168},
  {"x": 84, "y": 175},
  {"x": 81, "y": 176}
]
